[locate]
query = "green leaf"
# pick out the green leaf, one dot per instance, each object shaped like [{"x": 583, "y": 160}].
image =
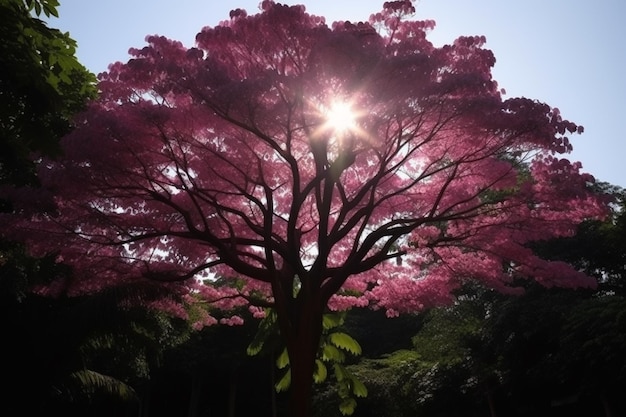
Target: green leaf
[
  {"x": 340, "y": 372},
  {"x": 320, "y": 373},
  {"x": 347, "y": 406},
  {"x": 343, "y": 389},
  {"x": 284, "y": 382},
  {"x": 331, "y": 353},
  {"x": 345, "y": 342},
  {"x": 52, "y": 11},
  {"x": 53, "y": 80},
  {"x": 358, "y": 388},
  {"x": 330, "y": 321},
  {"x": 91, "y": 382},
  {"x": 255, "y": 346},
  {"x": 267, "y": 327},
  {"x": 50, "y": 8},
  {"x": 283, "y": 360}
]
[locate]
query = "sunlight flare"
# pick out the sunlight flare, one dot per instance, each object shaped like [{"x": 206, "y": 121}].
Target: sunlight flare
[{"x": 340, "y": 117}]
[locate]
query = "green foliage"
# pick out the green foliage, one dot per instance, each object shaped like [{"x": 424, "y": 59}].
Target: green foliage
[
  {"x": 349, "y": 387},
  {"x": 330, "y": 321},
  {"x": 49, "y": 7},
  {"x": 321, "y": 372},
  {"x": 284, "y": 383},
  {"x": 90, "y": 384},
  {"x": 388, "y": 380},
  {"x": 334, "y": 345},
  {"x": 592, "y": 343},
  {"x": 389, "y": 335},
  {"x": 77, "y": 352},
  {"x": 331, "y": 353},
  {"x": 347, "y": 406},
  {"x": 283, "y": 359},
  {"x": 516, "y": 354},
  {"x": 19, "y": 272},
  {"x": 599, "y": 247},
  {"x": 266, "y": 337},
  {"x": 42, "y": 85},
  {"x": 345, "y": 342}
]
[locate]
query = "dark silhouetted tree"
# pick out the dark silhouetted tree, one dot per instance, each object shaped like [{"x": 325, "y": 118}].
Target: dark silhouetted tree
[{"x": 316, "y": 167}]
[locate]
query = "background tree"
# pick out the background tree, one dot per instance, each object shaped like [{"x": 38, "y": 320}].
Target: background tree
[
  {"x": 591, "y": 355},
  {"x": 42, "y": 85},
  {"x": 458, "y": 345},
  {"x": 211, "y": 374},
  {"x": 550, "y": 351},
  {"x": 594, "y": 332},
  {"x": 359, "y": 164},
  {"x": 547, "y": 352},
  {"x": 80, "y": 355},
  {"x": 598, "y": 247},
  {"x": 389, "y": 379}
]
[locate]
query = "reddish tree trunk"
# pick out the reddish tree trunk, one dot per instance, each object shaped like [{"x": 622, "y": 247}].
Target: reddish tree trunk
[
  {"x": 491, "y": 403},
  {"x": 302, "y": 330},
  {"x": 301, "y": 385}
]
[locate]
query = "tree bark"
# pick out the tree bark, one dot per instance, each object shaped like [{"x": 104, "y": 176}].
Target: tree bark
[
  {"x": 302, "y": 330},
  {"x": 606, "y": 405},
  {"x": 194, "y": 397},
  {"x": 491, "y": 403},
  {"x": 272, "y": 383},
  {"x": 302, "y": 362},
  {"x": 232, "y": 392}
]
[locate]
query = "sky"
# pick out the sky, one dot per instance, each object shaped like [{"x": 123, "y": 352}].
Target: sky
[{"x": 569, "y": 54}]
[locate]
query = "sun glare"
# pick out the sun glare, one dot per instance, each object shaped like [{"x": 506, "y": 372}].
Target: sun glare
[{"x": 340, "y": 117}]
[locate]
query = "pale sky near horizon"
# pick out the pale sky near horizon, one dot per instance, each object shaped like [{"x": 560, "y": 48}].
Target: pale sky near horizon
[{"x": 567, "y": 53}]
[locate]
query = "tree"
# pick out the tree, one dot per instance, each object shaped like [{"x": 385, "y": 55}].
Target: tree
[
  {"x": 82, "y": 354},
  {"x": 42, "y": 85},
  {"x": 317, "y": 167},
  {"x": 599, "y": 247},
  {"x": 390, "y": 380},
  {"x": 592, "y": 346},
  {"x": 454, "y": 341}
]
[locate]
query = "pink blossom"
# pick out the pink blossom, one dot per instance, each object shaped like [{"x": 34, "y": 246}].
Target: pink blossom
[
  {"x": 232, "y": 321},
  {"x": 212, "y": 172}
]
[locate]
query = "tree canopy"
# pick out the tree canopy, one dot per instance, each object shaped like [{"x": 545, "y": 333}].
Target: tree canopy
[
  {"x": 42, "y": 85},
  {"x": 227, "y": 160}
]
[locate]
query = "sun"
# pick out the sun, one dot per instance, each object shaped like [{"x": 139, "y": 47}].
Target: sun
[{"x": 340, "y": 117}]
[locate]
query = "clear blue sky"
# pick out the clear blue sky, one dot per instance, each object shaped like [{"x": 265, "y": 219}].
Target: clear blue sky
[{"x": 570, "y": 54}]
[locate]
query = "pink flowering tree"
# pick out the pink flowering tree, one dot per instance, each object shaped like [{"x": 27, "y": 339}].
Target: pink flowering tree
[{"x": 317, "y": 167}]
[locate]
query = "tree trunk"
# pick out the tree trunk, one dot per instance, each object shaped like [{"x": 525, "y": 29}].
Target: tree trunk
[
  {"x": 232, "y": 392},
  {"x": 194, "y": 397},
  {"x": 302, "y": 331},
  {"x": 301, "y": 390},
  {"x": 491, "y": 402},
  {"x": 606, "y": 405},
  {"x": 272, "y": 383}
]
